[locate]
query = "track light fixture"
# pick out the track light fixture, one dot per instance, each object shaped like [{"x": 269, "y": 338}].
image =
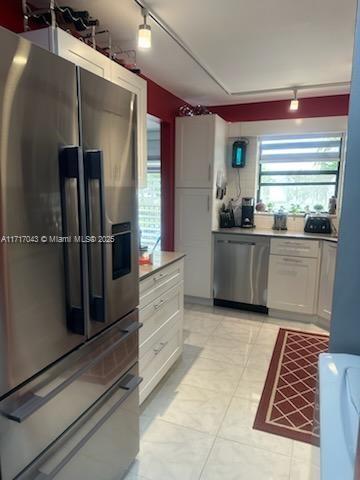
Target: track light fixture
[
  {"x": 294, "y": 104},
  {"x": 144, "y": 35}
]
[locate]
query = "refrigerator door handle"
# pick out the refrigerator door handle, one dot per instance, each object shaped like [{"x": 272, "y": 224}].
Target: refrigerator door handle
[
  {"x": 95, "y": 211},
  {"x": 70, "y": 172}
]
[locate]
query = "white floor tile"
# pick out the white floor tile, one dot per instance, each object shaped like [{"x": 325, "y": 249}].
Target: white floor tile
[
  {"x": 301, "y": 470},
  {"x": 203, "y": 325},
  {"x": 234, "y": 461},
  {"x": 170, "y": 452},
  {"x": 194, "y": 338},
  {"x": 306, "y": 452},
  {"x": 188, "y": 406},
  {"x": 238, "y": 423},
  {"x": 207, "y": 373},
  {"x": 226, "y": 350},
  {"x": 250, "y": 389},
  {"x": 267, "y": 335},
  {"x": 241, "y": 330}
]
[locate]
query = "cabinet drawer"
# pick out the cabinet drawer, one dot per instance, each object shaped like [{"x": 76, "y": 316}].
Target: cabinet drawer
[
  {"x": 155, "y": 285},
  {"x": 295, "y": 248},
  {"x": 159, "y": 358},
  {"x": 159, "y": 312}
]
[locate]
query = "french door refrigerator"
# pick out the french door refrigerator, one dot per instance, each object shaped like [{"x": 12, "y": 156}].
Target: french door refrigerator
[{"x": 68, "y": 269}]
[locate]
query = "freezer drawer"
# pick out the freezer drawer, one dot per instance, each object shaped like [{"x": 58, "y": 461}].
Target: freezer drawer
[
  {"x": 38, "y": 413},
  {"x": 101, "y": 444},
  {"x": 241, "y": 268}
]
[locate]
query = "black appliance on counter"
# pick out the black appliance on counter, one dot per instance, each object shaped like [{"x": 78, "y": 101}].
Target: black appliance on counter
[
  {"x": 317, "y": 224},
  {"x": 247, "y": 212},
  {"x": 227, "y": 219}
]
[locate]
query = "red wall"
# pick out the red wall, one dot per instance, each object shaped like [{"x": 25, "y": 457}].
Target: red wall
[
  {"x": 164, "y": 105},
  {"x": 334, "y": 105},
  {"x": 11, "y": 15}
]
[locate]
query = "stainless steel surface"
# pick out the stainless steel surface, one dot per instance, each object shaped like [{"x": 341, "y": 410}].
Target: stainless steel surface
[
  {"x": 109, "y": 125},
  {"x": 54, "y": 373},
  {"x": 280, "y": 221},
  {"x": 241, "y": 268},
  {"x": 52, "y": 402},
  {"x": 102, "y": 444},
  {"x": 38, "y": 117}
]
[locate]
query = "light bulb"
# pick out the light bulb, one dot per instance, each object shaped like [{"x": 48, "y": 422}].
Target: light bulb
[
  {"x": 144, "y": 36},
  {"x": 294, "y": 104}
]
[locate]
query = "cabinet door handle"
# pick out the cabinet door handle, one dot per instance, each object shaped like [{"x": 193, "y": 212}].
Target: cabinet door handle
[
  {"x": 208, "y": 203},
  {"x": 159, "y": 276},
  {"x": 292, "y": 260},
  {"x": 158, "y": 305},
  {"x": 209, "y": 172},
  {"x": 161, "y": 346}
]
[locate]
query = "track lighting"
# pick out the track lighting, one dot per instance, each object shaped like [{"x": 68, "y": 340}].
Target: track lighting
[
  {"x": 144, "y": 35},
  {"x": 294, "y": 104}
]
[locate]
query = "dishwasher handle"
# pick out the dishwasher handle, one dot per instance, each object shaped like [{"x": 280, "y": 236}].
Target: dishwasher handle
[{"x": 237, "y": 242}]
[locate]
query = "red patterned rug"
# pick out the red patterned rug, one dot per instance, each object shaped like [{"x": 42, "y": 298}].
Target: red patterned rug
[{"x": 287, "y": 404}]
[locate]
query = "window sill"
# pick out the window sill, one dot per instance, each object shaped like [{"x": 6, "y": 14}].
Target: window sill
[{"x": 300, "y": 215}]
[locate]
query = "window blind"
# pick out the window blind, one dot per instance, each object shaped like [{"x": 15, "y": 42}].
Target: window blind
[{"x": 304, "y": 148}]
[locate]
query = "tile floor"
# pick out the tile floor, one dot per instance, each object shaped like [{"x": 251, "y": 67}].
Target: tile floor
[{"x": 197, "y": 424}]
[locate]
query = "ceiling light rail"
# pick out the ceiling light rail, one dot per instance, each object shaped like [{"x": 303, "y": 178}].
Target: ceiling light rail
[
  {"x": 180, "y": 43},
  {"x": 191, "y": 54},
  {"x": 292, "y": 88}
]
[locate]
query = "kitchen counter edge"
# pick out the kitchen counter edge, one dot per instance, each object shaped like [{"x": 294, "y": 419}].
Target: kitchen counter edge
[
  {"x": 161, "y": 260},
  {"x": 275, "y": 234}
]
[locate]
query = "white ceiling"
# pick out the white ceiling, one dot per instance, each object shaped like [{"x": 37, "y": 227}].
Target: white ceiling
[{"x": 245, "y": 44}]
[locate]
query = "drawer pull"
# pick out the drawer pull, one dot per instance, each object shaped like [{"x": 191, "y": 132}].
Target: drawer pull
[
  {"x": 160, "y": 347},
  {"x": 129, "y": 383},
  {"x": 158, "y": 305},
  {"x": 292, "y": 260},
  {"x": 159, "y": 276},
  {"x": 36, "y": 402}
]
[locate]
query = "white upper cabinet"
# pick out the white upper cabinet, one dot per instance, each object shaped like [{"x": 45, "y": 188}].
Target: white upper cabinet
[
  {"x": 327, "y": 278},
  {"x": 138, "y": 86},
  {"x": 197, "y": 149},
  {"x": 65, "y": 45}
]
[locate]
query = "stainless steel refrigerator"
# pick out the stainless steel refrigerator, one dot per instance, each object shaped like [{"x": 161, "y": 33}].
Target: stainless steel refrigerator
[{"x": 68, "y": 269}]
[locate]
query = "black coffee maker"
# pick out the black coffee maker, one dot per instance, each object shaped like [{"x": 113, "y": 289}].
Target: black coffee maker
[{"x": 247, "y": 212}]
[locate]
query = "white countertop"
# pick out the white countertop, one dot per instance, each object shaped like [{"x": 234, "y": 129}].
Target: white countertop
[
  {"x": 277, "y": 233},
  {"x": 160, "y": 260}
]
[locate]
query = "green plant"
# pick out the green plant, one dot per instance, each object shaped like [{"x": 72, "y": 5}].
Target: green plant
[
  {"x": 294, "y": 209},
  {"x": 270, "y": 207},
  {"x": 318, "y": 208}
]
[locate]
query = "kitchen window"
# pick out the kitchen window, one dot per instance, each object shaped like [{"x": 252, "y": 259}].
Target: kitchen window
[
  {"x": 150, "y": 196},
  {"x": 299, "y": 173}
]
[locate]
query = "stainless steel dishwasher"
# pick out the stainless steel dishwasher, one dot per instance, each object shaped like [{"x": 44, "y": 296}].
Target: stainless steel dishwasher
[{"x": 240, "y": 271}]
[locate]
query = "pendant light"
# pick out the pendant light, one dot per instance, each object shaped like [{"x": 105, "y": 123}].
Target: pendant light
[
  {"x": 144, "y": 35},
  {"x": 294, "y": 104}
]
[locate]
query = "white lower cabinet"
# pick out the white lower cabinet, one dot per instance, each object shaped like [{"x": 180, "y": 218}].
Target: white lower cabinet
[
  {"x": 292, "y": 284},
  {"x": 327, "y": 278},
  {"x": 161, "y": 312},
  {"x": 193, "y": 237}
]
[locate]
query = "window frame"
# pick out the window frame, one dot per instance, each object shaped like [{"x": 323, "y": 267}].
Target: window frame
[{"x": 262, "y": 173}]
